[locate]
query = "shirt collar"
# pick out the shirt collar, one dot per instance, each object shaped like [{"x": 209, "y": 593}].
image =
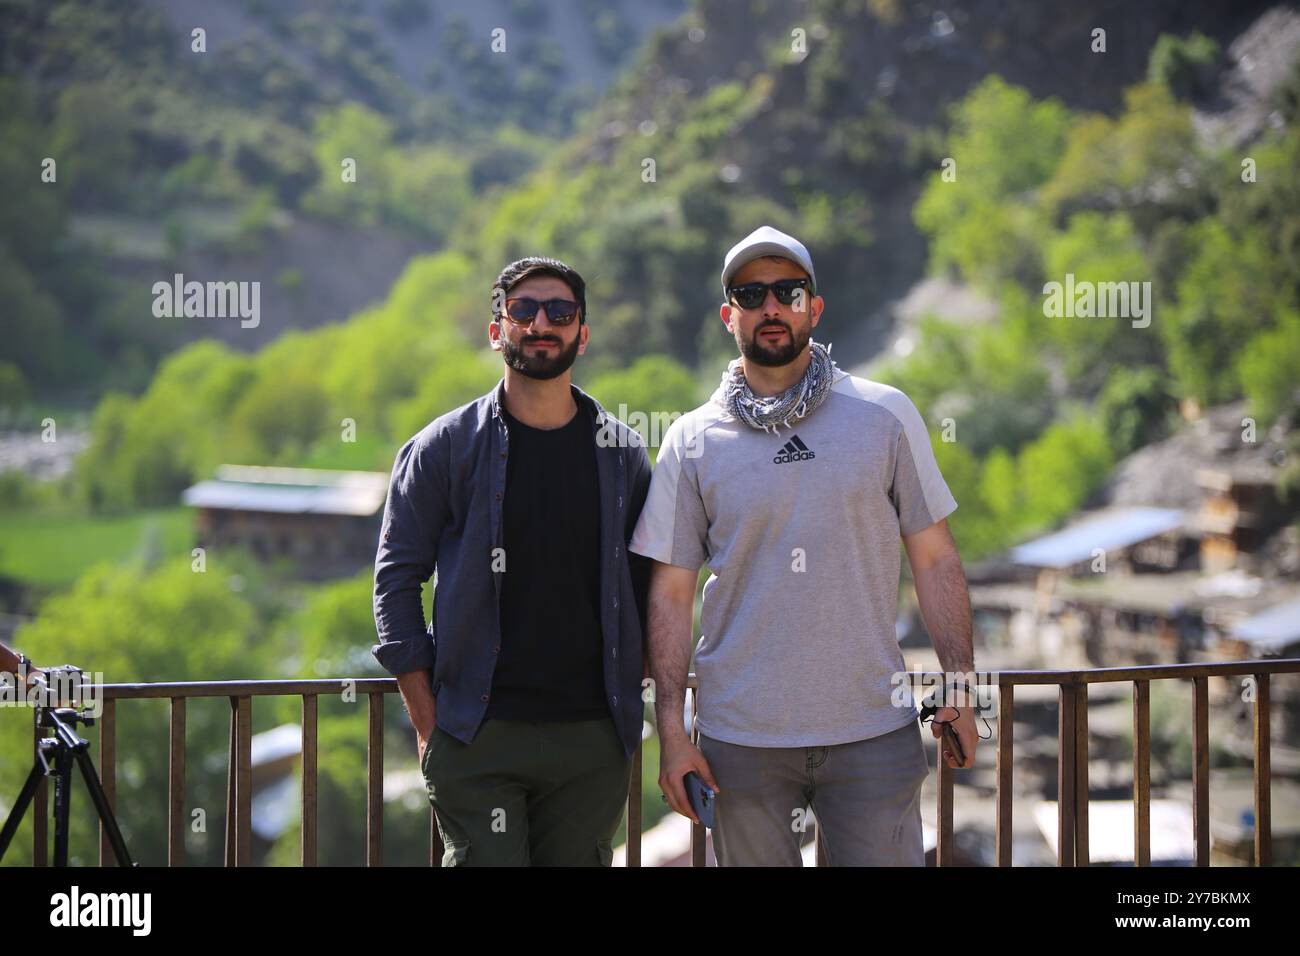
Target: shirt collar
[{"x": 584, "y": 401}]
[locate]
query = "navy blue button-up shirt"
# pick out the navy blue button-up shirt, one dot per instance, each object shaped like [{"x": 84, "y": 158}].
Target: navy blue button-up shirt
[{"x": 444, "y": 512}]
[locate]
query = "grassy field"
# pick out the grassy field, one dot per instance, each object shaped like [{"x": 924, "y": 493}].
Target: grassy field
[{"x": 50, "y": 551}]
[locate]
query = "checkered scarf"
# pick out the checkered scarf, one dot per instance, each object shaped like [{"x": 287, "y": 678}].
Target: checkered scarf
[{"x": 794, "y": 404}]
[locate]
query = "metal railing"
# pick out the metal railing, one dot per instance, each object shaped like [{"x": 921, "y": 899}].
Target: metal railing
[{"x": 1072, "y": 763}]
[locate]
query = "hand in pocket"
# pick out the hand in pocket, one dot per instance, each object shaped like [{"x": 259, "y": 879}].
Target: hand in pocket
[{"x": 423, "y": 737}]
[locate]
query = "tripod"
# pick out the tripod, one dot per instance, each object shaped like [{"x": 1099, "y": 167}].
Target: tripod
[{"x": 55, "y": 755}]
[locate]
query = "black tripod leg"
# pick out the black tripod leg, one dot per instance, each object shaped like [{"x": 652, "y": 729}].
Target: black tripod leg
[
  {"x": 20, "y": 807},
  {"x": 100, "y": 799},
  {"x": 62, "y": 805}
]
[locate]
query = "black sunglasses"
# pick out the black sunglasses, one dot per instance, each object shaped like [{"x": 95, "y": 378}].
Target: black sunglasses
[
  {"x": 522, "y": 311},
  {"x": 753, "y": 294}
]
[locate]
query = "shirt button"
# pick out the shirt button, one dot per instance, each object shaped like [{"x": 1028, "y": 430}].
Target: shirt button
[
  {"x": 616, "y": 701},
  {"x": 617, "y": 551},
  {"x": 484, "y": 697},
  {"x": 620, "y": 501},
  {"x": 498, "y": 496},
  {"x": 616, "y": 653},
  {"x": 503, "y": 454},
  {"x": 497, "y": 649},
  {"x": 615, "y": 602}
]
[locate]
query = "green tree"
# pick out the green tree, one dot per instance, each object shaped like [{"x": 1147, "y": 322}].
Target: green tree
[
  {"x": 146, "y": 451},
  {"x": 92, "y": 141},
  {"x": 1057, "y": 471},
  {"x": 1135, "y": 407},
  {"x": 1146, "y": 154},
  {"x": 359, "y": 134},
  {"x": 1226, "y": 294},
  {"x": 1269, "y": 369},
  {"x": 1185, "y": 65},
  {"x": 1101, "y": 250},
  {"x": 1004, "y": 143}
]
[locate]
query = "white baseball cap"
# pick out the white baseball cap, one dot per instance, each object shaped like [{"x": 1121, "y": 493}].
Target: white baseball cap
[{"x": 766, "y": 241}]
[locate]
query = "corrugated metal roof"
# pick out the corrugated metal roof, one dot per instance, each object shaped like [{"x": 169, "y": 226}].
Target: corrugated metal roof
[
  {"x": 1273, "y": 629},
  {"x": 290, "y": 490},
  {"x": 1111, "y": 529}
]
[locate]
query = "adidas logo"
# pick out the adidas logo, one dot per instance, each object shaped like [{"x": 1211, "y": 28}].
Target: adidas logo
[{"x": 793, "y": 450}]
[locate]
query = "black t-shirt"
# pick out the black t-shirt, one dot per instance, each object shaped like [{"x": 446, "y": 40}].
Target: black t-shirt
[{"x": 550, "y": 665}]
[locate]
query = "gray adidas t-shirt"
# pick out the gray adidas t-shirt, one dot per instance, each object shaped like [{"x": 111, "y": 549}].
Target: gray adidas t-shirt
[{"x": 801, "y": 531}]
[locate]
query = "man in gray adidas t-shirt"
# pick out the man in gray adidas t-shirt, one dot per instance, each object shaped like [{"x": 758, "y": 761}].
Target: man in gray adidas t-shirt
[{"x": 795, "y": 483}]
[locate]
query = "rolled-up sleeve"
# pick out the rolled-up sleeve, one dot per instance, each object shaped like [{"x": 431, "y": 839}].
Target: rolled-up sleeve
[{"x": 414, "y": 516}]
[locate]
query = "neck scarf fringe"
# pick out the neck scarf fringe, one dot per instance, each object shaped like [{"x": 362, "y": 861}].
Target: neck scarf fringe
[{"x": 793, "y": 405}]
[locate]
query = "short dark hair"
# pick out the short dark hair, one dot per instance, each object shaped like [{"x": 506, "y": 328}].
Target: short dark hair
[{"x": 531, "y": 267}]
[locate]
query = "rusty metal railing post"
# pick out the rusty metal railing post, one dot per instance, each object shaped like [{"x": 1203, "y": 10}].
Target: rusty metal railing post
[
  {"x": 375, "y": 783},
  {"x": 239, "y": 784},
  {"x": 176, "y": 784},
  {"x": 1201, "y": 768},
  {"x": 244, "y": 782},
  {"x": 107, "y": 777},
  {"x": 232, "y": 761},
  {"x": 1005, "y": 791},
  {"x": 1081, "y": 857},
  {"x": 1066, "y": 767},
  {"x": 1141, "y": 773},
  {"x": 1263, "y": 775},
  {"x": 943, "y": 850},
  {"x": 309, "y": 780}
]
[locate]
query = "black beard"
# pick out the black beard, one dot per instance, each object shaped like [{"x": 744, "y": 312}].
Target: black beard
[
  {"x": 539, "y": 366},
  {"x": 779, "y": 355}
]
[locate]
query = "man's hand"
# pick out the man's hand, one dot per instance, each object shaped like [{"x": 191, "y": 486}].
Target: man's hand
[
  {"x": 416, "y": 688},
  {"x": 9, "y": 664},
  {"x": 422, "y": 738},
  {"x": 963, "y": 725},
  {"x": 678, "y": 757}
]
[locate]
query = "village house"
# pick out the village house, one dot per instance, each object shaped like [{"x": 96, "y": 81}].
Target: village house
[{"x": 324, "y": 523}]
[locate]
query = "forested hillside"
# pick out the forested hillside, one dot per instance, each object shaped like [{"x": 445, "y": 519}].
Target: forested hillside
[
  {"x": 218, "y": 155},
  {"x": 650, "y": 191}
]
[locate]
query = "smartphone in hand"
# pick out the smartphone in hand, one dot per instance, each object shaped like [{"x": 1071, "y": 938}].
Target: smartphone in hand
[
  {"x": 930, "y": 707},
  {"x": 953, "y": 742},
  {"x": 700, "y": 796}
]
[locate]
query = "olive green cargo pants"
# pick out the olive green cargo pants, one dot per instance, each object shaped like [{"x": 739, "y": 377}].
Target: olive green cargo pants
[{"x": 523, "y": 793}]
